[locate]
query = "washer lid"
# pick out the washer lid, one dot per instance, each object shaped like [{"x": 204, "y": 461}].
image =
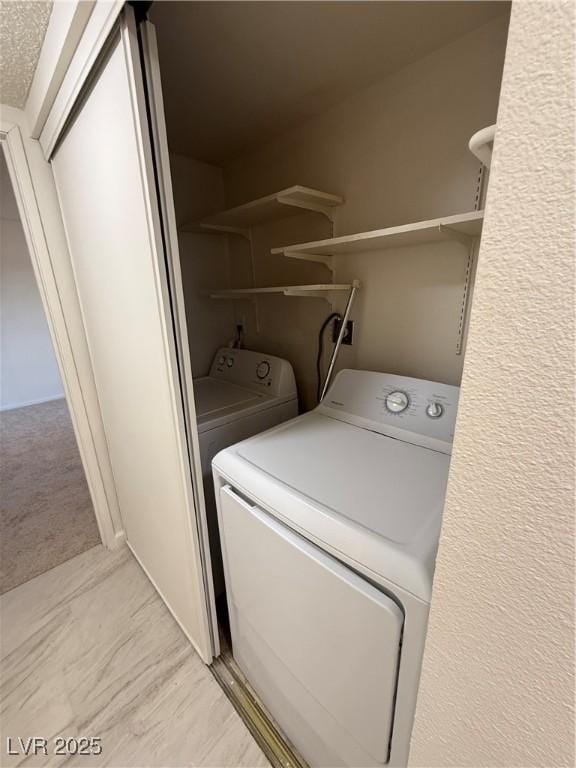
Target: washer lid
[
  {"x": 218, "y": 402},
  {"x": 213, "y": 396},
  {"x": 394, "y": 489}
]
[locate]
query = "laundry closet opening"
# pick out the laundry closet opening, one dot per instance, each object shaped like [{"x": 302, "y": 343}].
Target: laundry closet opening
[{"x": 320, "y": 169}]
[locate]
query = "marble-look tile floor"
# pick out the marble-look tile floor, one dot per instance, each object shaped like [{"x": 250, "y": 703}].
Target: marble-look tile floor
[{"x": 89, "y": 649}]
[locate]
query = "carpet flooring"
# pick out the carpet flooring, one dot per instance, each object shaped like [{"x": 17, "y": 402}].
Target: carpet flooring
[{"x": 46, "y": 514}]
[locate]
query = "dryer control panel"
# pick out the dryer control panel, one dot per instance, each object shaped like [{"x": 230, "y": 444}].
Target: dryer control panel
[
  {"x": 414, "y": 410},
  {"x": 254, "y": 370}
]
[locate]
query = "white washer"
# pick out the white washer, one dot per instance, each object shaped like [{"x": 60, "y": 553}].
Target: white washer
[
  {"x": 329, "y": 528},
  {"x": 245, "y": 393}
]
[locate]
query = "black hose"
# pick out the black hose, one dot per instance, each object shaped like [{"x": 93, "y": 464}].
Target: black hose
[{"x": 325, "y": 324}]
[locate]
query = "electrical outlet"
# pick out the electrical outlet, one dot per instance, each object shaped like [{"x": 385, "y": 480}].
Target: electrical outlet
[{"x": 348, "y": 333}]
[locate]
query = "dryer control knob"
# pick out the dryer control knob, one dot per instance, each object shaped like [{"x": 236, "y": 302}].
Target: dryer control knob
[
  {"x": 263, "y": 369},
  {"x": 434, "y": 410},
  {"x": 229, "y": 362},
  {"x": 396, "y": 402}
]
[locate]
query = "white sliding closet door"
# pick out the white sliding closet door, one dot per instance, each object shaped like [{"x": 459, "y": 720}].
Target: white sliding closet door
[
  {"x": 164, "y": 179},
  {"x": 104, "y": 176}
]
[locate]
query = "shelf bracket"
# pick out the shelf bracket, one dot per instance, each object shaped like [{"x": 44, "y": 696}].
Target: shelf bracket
[
  {"x": 454, "y": 234},
  {"x": 328, "y": 261},
  {"x": 315, "y": 207}
]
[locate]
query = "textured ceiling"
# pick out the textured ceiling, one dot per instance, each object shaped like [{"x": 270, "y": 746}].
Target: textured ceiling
[{"x": 22, "y": 29}]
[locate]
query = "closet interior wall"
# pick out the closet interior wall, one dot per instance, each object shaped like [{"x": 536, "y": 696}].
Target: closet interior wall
[
  {"x": 199, "y": 190},
  {"x": 397, "y": 152}
]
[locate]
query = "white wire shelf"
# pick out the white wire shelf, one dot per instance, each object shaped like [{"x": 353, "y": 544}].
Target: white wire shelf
[
  {"x": 279, "y": 205},
  {"x": 464, "y": 227}
]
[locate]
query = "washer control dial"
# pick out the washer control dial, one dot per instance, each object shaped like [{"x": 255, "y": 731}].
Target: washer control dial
[
  {"x": 263, "y": 369},
  {"x": 229, "y": 362},
  {"x": 221, "y": 360},
  {"x": 396, "y": 402},
  {"x": 434, "y": 410}
]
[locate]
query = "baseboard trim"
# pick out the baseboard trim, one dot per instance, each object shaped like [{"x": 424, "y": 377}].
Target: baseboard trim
[
  {"x": 119, "y": 540},
  {"x": 15, "y": 406}
]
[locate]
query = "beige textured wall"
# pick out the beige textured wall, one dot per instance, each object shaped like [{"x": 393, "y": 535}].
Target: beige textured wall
[
  {"x": 497, "y": 684},
  {"x": 398, "y": 152}
]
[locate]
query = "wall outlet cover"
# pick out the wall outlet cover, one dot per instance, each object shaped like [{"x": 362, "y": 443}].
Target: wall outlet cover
[{"x": 348, "y": 333}]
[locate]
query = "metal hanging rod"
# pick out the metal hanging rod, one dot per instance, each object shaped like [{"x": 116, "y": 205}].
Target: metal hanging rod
[{"x": 341, "y": 332}]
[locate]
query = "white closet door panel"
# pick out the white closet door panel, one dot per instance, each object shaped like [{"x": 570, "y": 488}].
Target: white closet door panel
[
  {"x": 103, "y": 172},
  {"x": 160, "y": 141}
]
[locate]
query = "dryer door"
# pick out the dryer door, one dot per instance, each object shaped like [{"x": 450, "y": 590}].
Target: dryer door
[{"x": 319, "y": 644}]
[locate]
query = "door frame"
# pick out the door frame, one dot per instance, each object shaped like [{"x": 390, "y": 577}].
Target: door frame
[
  {"x": 101, "y": 488},
  {"x": 79, "y": 65}
]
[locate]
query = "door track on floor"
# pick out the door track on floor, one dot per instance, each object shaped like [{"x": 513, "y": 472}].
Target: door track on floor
[{"x": 275, "y": 746}]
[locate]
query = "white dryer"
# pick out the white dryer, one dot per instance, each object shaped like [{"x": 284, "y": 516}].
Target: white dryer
[
  {"x": 245, "y": 393},
  {"x": 329, "y": 527}
]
